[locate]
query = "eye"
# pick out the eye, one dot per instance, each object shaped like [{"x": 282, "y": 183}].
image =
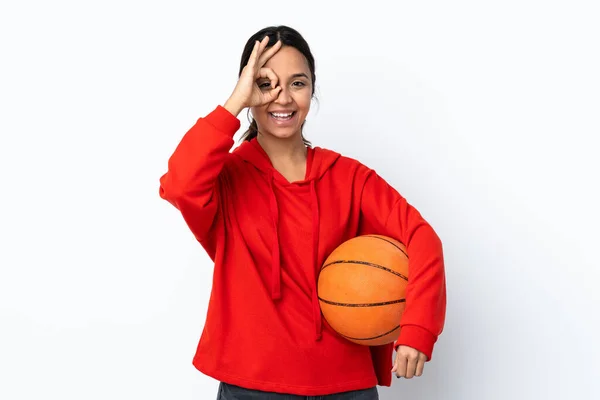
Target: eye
[
  {"x": 299, "y": 84},
  {"x": 264, "y": 85}
]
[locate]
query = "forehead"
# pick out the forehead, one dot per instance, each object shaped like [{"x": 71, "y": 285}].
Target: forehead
[{"x": 288, "y": 61}]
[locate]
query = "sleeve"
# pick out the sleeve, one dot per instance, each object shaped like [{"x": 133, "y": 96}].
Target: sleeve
[
  {"x": 190, "y": 183},
  {"x": 386, "y": 212}
]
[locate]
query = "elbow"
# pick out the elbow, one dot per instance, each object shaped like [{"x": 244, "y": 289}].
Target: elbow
[
  {"x": 170, "y": 192},
  {"x": 184, "y": 195}
]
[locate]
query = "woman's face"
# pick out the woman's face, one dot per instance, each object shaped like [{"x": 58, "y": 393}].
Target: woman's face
[{"x": 284, "y": 116}]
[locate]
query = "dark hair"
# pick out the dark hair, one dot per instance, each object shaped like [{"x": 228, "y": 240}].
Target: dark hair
[{"x": 289, "y": 37}]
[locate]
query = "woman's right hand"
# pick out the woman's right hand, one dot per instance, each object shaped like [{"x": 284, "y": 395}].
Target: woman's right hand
[{"x": 247, "y": 93}]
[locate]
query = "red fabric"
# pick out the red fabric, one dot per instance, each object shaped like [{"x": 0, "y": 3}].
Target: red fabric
[{"x": 268, "y": 238}]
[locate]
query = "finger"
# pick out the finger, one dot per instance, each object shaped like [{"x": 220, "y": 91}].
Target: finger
[
  {"x": 253, "y": 56},
  {"x": 272, "y": 95},
  {"x": 395, "y": 367},
  {"x": 261, "y": 47},
  {"x": 420, "y": 364},
  {"x": 269, "y": 53},
  {"x": 400, "y": 366},
  {"x": 411, "y": 367},
  {"x": 264, "y": 42},
  {"x": 270, "y": 75}
]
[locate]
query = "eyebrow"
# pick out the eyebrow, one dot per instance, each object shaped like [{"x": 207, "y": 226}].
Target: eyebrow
[{"x": 300, "y": 75}]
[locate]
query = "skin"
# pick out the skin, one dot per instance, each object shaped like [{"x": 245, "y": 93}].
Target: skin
[
  {"x": 293, "y": 77},
  {"x": 409, "y": 362},
  {"x": 278, "y": 79}
]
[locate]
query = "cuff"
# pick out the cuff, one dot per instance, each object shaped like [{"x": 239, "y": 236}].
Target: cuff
[
  {"x": 223, "y": 121},
  {"x": 418, "y": 338}
]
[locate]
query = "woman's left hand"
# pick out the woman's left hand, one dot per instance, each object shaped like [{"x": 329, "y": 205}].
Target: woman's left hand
[{"x": 409, "y": 362}]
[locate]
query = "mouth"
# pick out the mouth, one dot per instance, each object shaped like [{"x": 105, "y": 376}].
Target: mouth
[{"x": 282, "y": 116}]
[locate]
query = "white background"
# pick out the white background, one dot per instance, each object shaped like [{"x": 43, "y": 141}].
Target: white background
[{"x": 484, "y": 114}]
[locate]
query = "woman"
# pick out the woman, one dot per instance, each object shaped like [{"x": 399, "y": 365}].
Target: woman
[{"x": 268, "y": 214}]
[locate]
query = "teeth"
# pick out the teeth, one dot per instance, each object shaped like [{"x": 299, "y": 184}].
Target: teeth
[{"x": 278, "y": 115}]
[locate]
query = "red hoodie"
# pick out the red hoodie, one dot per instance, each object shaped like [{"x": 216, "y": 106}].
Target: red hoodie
[{"x": 268, "y": 239}]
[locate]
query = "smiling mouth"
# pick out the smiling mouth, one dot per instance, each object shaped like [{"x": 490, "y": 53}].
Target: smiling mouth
[{"x": 283, "y": 116}]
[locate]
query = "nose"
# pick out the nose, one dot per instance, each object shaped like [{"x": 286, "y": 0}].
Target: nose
[{"x": 284, "y": 97}]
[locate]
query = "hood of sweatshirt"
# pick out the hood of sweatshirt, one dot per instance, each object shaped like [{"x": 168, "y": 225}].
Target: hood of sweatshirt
[{"x": 319, "y": 161}]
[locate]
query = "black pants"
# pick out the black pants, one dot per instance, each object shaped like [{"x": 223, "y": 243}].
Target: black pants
[{"x": 232, "y": 392}]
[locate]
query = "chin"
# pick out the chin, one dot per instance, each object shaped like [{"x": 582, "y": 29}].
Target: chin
[{"x": 284, "y": 134}]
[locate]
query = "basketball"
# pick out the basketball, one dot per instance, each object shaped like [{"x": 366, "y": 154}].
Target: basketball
[{"x": 361, "y": 289}]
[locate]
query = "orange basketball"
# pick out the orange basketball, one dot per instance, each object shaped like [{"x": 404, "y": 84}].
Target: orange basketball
[{"x": 361, "y": 289}]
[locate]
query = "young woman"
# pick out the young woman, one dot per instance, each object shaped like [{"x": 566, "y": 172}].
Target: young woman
[{"x": 268, "y": 214}]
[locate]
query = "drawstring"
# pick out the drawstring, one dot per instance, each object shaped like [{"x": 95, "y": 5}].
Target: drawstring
[
  {"x": 314, "y": 272},
  {"x": 275, "y": 255}
]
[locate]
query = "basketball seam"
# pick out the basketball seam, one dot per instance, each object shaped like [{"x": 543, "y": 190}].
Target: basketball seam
[
  {"x": 371, "y": 338},
  {"x": 384, "y": 303},
  {"x": 390, "y": 242},
  {"x": 369, "y": 264}
]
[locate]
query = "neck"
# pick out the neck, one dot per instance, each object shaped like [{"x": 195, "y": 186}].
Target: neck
[{"x": 283, "y": 150}]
